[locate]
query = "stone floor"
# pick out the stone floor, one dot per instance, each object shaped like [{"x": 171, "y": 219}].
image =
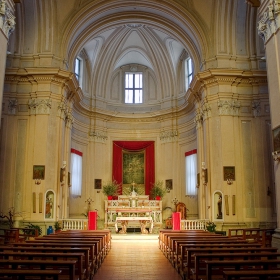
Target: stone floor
[{"x": 136, "y": 256}]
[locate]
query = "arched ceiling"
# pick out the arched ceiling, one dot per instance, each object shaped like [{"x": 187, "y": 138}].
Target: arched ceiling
[{"x": 148, "y": 33}]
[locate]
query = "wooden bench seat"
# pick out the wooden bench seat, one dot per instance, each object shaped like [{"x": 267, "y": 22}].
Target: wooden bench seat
[
  {"x": 78, "y": 257},
  {"x": 255, "y": 274},
  {"x": 199, "y": 265},
  {"x": 175, "y": 243},
  {"x": 92, "y": 244},
  {"x": 68, "y": 250},
  {"x": 22, "y": 273},
  {"x": 99, "y": 248},
  {"x": 214, "y": 269},
  {"x": 186, "y": 261},
  {"x": 67, "y": 267},
  {"x": 210, "y": 244}
]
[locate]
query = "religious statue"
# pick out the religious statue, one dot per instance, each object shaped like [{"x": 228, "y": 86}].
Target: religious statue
[{"x": 220, "y": 203}]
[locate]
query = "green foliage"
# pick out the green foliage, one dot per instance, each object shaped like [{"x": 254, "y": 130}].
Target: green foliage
[
  {"x": 158, "y": 189},
  {"x": 110, "y": 188},
  {"x": 210, "y": 226},
  {"x": 31, "y": 226},
  {"x": 57, "y": 226}
]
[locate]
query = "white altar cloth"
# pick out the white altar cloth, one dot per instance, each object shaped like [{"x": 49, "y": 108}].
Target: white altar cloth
[{"x": 125, "y": 220}]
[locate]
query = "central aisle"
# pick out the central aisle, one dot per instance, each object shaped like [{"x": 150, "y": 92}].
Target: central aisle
[{"x": 136, "y": 259}]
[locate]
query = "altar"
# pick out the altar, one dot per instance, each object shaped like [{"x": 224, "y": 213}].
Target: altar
[{"x": 124, "y": 209}]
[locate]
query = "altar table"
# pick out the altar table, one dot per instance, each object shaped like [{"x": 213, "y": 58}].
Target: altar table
[{"x": 143, "y": 221}]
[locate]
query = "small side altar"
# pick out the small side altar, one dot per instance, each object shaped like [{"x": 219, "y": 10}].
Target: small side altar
[{"x": 133, "y": 206}]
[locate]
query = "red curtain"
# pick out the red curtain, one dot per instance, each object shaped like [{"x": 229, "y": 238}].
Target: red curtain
[{"x": 148, "y": 146}]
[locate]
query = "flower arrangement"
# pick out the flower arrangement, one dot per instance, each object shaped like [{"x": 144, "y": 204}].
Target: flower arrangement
[
  {"x": 111, "y": 188},
  {"x": 210, "y": 226},
  {"x": 158, "y": 190}
]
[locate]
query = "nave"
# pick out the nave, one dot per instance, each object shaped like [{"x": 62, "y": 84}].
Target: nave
[{"x": 136, "y": 259}]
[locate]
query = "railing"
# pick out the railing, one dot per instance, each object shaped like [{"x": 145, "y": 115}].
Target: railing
[
  {"x": 193, "y": 224},
  {"x": 74, "y": 224}
]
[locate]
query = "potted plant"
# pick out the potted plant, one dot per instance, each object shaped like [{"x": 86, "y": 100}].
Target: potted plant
[
  {"x": 110, "y": 189},
  {"x": 158, "y": 191},
  {"x": 57, "y": 227},
  {"x": 210, "y": 226}
]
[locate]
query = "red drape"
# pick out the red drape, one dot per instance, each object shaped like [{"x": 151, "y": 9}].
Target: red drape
[{"x": 148, "y": 146}]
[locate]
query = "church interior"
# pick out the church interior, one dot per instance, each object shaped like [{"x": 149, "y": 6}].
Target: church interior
[{"x": 182, "y": 95}]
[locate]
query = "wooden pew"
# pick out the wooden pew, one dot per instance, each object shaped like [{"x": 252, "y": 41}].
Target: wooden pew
[
  {"x": 174, "y": 241},
  {"x": 22, "y": 273},
  {"x": 186, "y": 262},
  {"x": 78, "y": 257},
  {"x": 217, "y": 267},
  {"x": 200, "y": 260},
  {"x": 91, "y": 243},
  {"x": 98, "y": 240},
  {"x": 165, "y": 244},
  {"x": 84, "y": 251},
  {"x": 263, "y": 236},
  {"x": 162, "y": 232},
  {"x": 178, "y": 242},
  {"x": 104, "y": 232},
  {"x": 67, "y": 267},
  {"x": 211, "y": 244},
  {"x": 248, "y": 274}
]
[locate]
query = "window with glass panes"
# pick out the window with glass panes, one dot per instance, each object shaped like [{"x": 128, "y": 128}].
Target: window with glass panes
[
  {"x": 78, "y": 68},
  {"x": 134, "y": 88},
  {"x": 188, "y": 72}
]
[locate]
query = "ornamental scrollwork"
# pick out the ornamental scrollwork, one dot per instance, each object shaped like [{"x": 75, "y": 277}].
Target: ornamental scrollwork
[
  {"x": 7, "y": 19},
  {"x": 12, "y": 106},
  {"x": 270, "y": 21},
  {"x": 98, "y": 136},
  {"x": 228, "y": 107},
  {"x": 256, "y": 108},
  {"x": 168, "y": 136},
  {"x": 39, "y": 106}
]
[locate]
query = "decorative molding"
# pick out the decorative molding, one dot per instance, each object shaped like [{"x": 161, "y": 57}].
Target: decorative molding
[
  {"x": 69, "y": 120},
  {"x": 228, "y": 107},
  {"x": 270, "y": 21},
  {"x": 168, "y": 136},
  {"x": 12, "y": 106},
  {"x": 39, "y": 106},
  {"x": 7, "y": 19},
  {"x": 202, "y": 113},
  {"x": 98, "y": 136},
  {"x": 198, "y": 118},
  {"x": 256, "y": 108},
  {"x": 61, "y": 110}
]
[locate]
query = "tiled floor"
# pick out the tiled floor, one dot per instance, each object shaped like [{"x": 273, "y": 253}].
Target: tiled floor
[{"x": 135, "y": 259}]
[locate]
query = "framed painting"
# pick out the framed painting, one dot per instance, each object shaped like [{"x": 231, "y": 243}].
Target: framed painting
[
  {"x": 229, "y": 173},
  {"x": 39, "y": 172},
  {"x": 276, "y": 139},
  {"x": 98, "y": 184},
  {"x": 168, "y": 184}
]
